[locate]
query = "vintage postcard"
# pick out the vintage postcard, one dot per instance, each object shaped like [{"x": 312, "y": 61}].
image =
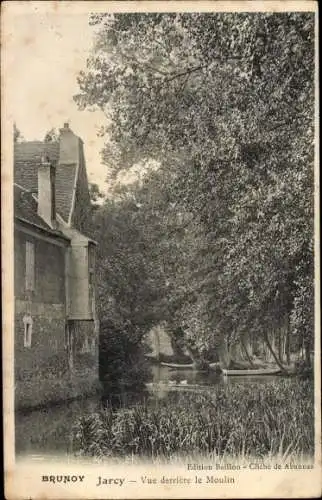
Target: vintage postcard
[{"x": 160, "y": 249}]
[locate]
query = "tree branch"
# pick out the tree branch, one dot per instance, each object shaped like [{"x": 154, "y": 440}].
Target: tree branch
[{"x": 198, "y": 68}]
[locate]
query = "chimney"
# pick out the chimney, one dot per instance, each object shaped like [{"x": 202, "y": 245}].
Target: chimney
[
  {"x": 69, "y": 145},
  {"x": 46, "y": 192}
]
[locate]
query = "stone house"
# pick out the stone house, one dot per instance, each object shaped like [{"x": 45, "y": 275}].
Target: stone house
[{"x": 56, "y": 328}]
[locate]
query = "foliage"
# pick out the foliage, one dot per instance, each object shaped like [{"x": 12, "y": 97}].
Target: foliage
[
  {"x": 51, "y": 136},
  {"x": 17, "y": 135},
  {"x": 302, "y": 316},
  {"x": 96, "y": 196},
  {"x": 273, "y": 420},
  {"x": 122, "y": 366},
  {"x": 126, "y": 285},
  {"x": 224, "y": 103}
]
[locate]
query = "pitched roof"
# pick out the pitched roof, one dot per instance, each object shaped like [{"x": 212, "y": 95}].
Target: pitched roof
[
  {"x": 28, "y": 156},
  {"x": 25, "y": 209},
  {"x": 34, "y": 150},
  {"x": 65, "y": 181}
]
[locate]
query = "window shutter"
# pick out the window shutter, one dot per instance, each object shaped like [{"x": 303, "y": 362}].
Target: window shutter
[{"x": 30, "y": 266}]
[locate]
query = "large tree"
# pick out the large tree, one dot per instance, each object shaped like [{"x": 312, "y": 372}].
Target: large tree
[{"x": 224, "y": 103}]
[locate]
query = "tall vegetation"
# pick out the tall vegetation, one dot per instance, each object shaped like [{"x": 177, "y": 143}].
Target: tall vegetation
[
  {"x": 274, "y": 421},
  {"x": 218, "y": 241}
]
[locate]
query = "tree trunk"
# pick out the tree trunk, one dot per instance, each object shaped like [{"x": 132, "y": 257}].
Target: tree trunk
[
  {"x": 277, "y": 361},
  {"x": 249, "y": 345},
  {"x": 156, "y": 342},
  {"x": 246, "y": 352},
  {"x": 280, "y": 344},
  {"x": 224, "y": 355},
  {"x": 177, "y": 350},
  {"x": 192, "y": 355},
  {"x": 302, "y": 349},
  {"x": 236, "y": 353},
  {"x": 268, "y": 354},
  {"x": 285, "y": 344},
  {"x": 307, "y": 353},
  {"x": 288, "y": 343},
  {"x": 273, "y": 342}
]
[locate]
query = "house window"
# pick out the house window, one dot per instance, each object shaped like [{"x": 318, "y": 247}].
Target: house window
[
  {"x": 30, "y": 266},
  {"x": 27, "y": 321}
]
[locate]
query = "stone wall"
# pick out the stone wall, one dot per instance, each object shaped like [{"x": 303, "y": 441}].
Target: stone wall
[
  {"x": 47, "y": 350},
  {"x": 84, "y": 345},
  {"x": 42, "y": 309},
  {"x": 42, "y": 368},
  {"x": 49, "y": 270}
]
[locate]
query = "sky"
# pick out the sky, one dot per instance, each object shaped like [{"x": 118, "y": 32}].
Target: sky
[{"x": 47, "y": 51}]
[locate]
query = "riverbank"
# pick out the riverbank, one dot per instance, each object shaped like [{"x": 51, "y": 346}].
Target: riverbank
[
  {"x": 40, "y": 391},
  {"x": 236, "y": 421},
  {"x": 258, "y": 366}
]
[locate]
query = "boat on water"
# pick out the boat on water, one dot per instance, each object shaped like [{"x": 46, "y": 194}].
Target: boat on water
[
  {"x": 250, "y": 372},
  {"x": 178, "y": 365},
  {"x": 228, "y": 372}
]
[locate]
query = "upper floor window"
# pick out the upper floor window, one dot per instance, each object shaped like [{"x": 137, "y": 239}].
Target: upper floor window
[{"x": 30, "y": 266}]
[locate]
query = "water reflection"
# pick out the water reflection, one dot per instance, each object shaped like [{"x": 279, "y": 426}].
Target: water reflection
[
  {"x": 167, "y": 375},
  {"x": 165, "y": 379}
]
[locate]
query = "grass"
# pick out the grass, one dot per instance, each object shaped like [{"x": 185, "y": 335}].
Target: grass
[{"x": 234, "y": 421}]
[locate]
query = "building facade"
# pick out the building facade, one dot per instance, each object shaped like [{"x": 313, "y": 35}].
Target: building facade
[{"x": 56, "y": 328}]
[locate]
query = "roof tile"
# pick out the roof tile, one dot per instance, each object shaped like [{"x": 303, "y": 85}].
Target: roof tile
[
  {"x": 35, "y": 150},
  {"x": 25, "y": 208},
  {"x": 27, "y": 158}
]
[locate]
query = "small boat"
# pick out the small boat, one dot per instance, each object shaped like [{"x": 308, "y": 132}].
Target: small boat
[
  {"x": 177, "y": 365},
  {"x": 258, "y": 371}
]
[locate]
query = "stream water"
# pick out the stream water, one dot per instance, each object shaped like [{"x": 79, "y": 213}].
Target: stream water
[{"x": 48, "y": 431}]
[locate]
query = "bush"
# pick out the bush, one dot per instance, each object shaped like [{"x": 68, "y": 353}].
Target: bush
[
  {"x": 304, "y": 369},
  {"x": 122, "y": 364}
]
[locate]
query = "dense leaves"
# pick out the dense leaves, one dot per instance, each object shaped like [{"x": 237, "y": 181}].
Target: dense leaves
[
  {"x": 225, "y": 104},
  {"x": 17, "y": 135},
  {"x": 52, "y": 135}
]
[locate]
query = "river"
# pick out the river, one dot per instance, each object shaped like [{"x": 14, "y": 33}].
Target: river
[{"x": 48, "y": 431}]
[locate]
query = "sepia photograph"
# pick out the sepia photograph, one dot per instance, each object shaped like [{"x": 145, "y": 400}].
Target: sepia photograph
[{"x": 161, "y": 327}]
